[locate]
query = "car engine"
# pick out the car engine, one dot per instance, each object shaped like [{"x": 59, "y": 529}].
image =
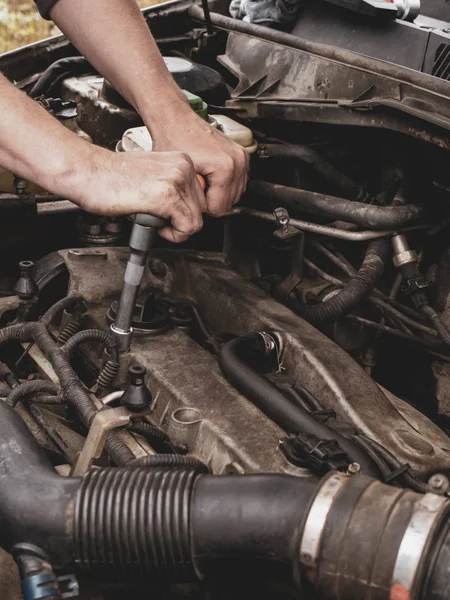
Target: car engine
[{"x": 274, "y": 421}]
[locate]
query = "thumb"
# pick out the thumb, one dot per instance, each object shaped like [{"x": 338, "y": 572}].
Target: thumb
[{"x": 172, "y": 235}]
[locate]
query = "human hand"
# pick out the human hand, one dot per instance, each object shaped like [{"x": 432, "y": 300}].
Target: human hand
[
  {"x": 222, "y": 163},
  {"x": 159, "y": 183}
]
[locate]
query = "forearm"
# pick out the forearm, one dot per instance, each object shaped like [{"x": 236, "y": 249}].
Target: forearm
[
  {"x": 114, "y": 37},
  {"x": 34, "y": 145}
]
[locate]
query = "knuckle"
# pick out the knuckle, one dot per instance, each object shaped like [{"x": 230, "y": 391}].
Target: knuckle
[
  {"x": 244, "y": 159},
  {"x": 178, "y": 175},
  {"x": 178, "y": 207},
  {"x": 216, "y": 209},
  {"x": 192, "y": 228},
  {"x": 228, "y": 165},
  {"x": 184, "y": 162}
]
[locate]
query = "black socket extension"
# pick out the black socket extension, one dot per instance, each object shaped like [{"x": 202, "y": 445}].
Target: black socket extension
[
  {"x": 26, "y": 288},
  {"x": 137, "y": 396}
]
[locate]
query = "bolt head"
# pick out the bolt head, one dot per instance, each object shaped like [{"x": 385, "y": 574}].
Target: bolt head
[
  {"x": 438, "y": 483},
  {"x": 354, "y": 468}
]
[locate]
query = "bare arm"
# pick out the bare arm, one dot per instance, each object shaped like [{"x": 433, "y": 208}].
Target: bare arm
[
  {"x": 114, "y": 37},
  {"x": 37, "y": 147}
]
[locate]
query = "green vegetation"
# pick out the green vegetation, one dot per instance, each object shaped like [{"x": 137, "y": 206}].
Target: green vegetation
[{"x": 21, "y": 24}]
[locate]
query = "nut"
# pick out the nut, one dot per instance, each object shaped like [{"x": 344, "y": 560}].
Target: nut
[{"x": 404, "y": 258}]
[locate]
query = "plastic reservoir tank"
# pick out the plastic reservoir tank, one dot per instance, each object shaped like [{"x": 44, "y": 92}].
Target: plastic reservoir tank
[{"x": 138, "y": 139}]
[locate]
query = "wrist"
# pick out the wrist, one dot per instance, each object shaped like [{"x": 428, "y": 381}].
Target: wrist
[
  {"x": 162, "y": 119},
  {"x": 73, "y": 173}
]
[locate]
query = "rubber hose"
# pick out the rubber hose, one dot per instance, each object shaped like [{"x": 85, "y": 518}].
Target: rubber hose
[
  {"x": 158, "y": 439},
  {"x": 408, "y": 479},
  {"x": 58, "y": 307},
  {"x": 20, "y": 332},
  {"x": 92, "y": 335},
  {"x": 34, "y": 499},
  {"x": 271, "y": 196},
  {"x": 178, "y": 525},
  {"x": 31, "y": 387},
  {"x": 309, "y": 156},
  {"x": 73, "y": 391},
  {"x": 57, "y": 72},
  {"x": 169, "y": 461},
  {"x": 136, "y": 521},
  {"x": 239, "y": 360},
  {"x": 354, "y": 292}
]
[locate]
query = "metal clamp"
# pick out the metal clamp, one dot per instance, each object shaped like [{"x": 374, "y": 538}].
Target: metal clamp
[
  {"x": 38, "y": 587},
  {"x": 317, "y": 518},
  {"x": 68, "y": 585},
  {"x": 104, "y": 421},
  {"x": 428, "y": 513}
]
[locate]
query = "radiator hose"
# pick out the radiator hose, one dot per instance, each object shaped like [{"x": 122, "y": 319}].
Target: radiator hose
[{"x": 346, "y": 536}]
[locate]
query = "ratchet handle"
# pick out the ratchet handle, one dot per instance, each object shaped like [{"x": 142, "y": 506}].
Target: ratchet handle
[{"x": 157, "y": 222}]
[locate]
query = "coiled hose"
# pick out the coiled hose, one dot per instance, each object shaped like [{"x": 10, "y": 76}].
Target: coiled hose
[
  {"x": 69, "y": 330},
  {"x": 356, "y": 290},
  {"x": 169, "y": 461}
]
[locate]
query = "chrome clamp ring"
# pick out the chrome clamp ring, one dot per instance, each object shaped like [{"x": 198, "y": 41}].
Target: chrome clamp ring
[
  {"x": 427, "y": 515},
  {"x": 317, "y": 517}
]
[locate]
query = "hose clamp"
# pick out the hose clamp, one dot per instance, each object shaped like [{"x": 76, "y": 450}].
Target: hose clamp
[
  {"x": 317, "y": 518},
  {"x": 269, "y": 342},
  {"x": 428, "y": 514},
  {"x": 40, "y": 586}
]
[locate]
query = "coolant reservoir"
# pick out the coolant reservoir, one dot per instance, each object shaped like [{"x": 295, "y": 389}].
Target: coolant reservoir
[{"x": 138, "y": 139}]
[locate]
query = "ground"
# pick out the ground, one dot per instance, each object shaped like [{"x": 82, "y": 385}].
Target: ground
[{"x": 20, "y": 23}]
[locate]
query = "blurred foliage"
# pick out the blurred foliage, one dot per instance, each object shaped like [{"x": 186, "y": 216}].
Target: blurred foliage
[{"x": 21, "y": 24}]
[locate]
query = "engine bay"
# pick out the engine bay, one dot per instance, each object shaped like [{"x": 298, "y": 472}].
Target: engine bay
[{"x": 283, "y": 405}]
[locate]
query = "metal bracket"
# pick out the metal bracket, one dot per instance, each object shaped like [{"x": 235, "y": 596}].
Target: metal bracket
[{"x": 104, "y": 421}]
